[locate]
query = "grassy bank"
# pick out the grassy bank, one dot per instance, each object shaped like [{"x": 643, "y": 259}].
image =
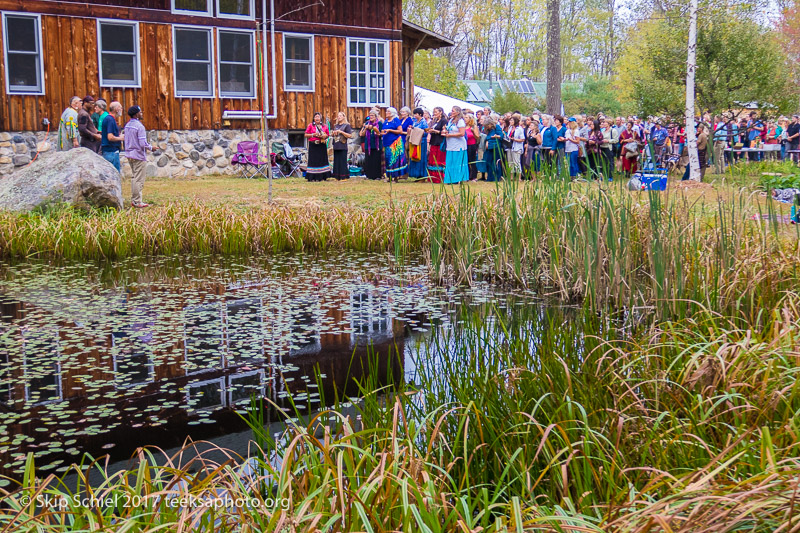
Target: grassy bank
[{"x": 575, "y": 242}]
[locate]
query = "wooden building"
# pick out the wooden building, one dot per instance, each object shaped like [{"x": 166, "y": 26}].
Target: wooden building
[{"x": 188, "y": 62}]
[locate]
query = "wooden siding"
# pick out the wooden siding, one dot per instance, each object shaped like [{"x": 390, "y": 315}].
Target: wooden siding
[{"x": 71, "y": 69}]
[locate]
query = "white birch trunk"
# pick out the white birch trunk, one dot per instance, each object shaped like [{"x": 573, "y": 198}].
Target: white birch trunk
[{"x": 691, "y": 65}]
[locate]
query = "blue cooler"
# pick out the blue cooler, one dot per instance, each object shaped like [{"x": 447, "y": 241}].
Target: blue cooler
[{"x": 653, "y": 181}]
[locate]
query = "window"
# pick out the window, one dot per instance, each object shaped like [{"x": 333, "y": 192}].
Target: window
[
  {"x": 236, "y": 9},
  {"x": 367, "y": 64},
  {"x": 193, "y": 70},
  {"x": 22, "y": 40},
  {"x": 192, "y": 7},
  {"x": 119, "y": 53},
  {"x": 297, "y": 139},
  {"x": 298, "y": 62},
  {"x": 236, "y": 65}
]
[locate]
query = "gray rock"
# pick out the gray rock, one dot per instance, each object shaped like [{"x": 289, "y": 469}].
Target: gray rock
[
  {"x": 22, "y": 159},
  {"x": 210, "y": 163},
  {"x": 195, "y": 155},
  {"x": 228, "y": 152},
  {"x": 18, "y": 139},
  {"x": 177, "y": 148},
  {"x": 157, "y": 152},
  {"x": 209, "y": 143},
  {"x": 223, "y": 143},
  {"x": 199, "y": 146},
  {"x": 21, "y": 148},
  {"x": 78, "y": 177},
  {"x": 162, "y": 161},
  {"x": 31, "y": 142},
  {"x": 150, "y": 170},
  {"x": 192, "y": 137}
]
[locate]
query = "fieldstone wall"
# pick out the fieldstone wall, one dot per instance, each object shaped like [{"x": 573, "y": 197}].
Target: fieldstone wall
[{"x": 177, "y": 153}]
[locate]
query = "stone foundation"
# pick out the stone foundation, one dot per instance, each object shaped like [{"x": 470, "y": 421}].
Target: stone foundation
[{"x": 177, "y": 153}]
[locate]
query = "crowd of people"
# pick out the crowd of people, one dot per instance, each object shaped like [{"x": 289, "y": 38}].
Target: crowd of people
[
  {"x": 464, "y": 145},
  {"x": 92, "y": 124}
]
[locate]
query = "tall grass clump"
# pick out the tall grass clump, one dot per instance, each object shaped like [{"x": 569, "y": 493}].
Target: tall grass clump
[{"x": 515, "y": 419}]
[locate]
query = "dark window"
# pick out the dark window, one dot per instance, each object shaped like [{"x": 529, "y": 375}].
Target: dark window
[
  {"x": 200, "y": 6},
  {"x": 298, "y": 62},
  {"x": 119, "y": 54},
  {"x": 235, "y": 8},
  {"x": 193, "y": 62},
  {"x": 23, "y": 54},
  {"x": 236, "y": 66},
  {"x": 297, "y": 139}
]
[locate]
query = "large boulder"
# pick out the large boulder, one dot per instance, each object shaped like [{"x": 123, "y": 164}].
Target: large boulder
[{"x": 78, "y": 177}]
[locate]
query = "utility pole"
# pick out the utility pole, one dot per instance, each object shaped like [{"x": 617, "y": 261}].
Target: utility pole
[{"x": 691, "y": 65}]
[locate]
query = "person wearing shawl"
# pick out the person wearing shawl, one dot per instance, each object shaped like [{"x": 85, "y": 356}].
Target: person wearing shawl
[
  {"x": 68, "y": 136},
  {"x": 393, "y": 145},
  {"x": 436, "y": 156},
  {"x": 418, "y": 153},
  {"x": 371, "y": 137},
  {"x": 457, "y": 165},
  {"x": 319, "y": 168}
]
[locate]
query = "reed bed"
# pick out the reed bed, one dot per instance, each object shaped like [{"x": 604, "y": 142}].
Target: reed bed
[
  {"x": 529, "y": 425},
  {"x": 605, "y": 246}
]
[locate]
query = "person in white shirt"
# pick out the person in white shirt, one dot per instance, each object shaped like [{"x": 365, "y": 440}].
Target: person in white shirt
[{"x": 517, "y": 134}]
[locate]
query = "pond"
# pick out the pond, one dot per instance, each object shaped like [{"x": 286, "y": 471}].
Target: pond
[{"x": 101, "y": 359}]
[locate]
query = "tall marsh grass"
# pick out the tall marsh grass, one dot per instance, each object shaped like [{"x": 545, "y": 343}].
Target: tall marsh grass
[
  {"x": 602, "y": 245},
  {"x": 533, "y": 421}
]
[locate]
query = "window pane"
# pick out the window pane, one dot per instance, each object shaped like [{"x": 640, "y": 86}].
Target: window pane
[
  {"x": 298, "y": 48},
  {"x": 362, "y": 80},
  {"x": 353, "y": 80},
  {"x": 191, "y": 44},
  {"x": 117, "y": 38},
  {"x": 353, "y": 50},
  {"x": 298, "y": 75},
  {"x": 372, "y": 49},
  {"x": 21, "y": 32},
  {"x": 192, "y": 5},
  {"x": 235, "y": 7},
  {"x": 361, "y": 49},
  {"x": 362, "y": 65},
  {"x": 380, "y": 82},
  {"x": 23, "y": 71},
  {"x": 380, "y": 65},
  {"x": 373, "y": 65},
  {"x": 354, "y": 95},
  {"x": 235, "y": 47},
  {"x": 380, "y": 49},
  {"x": 119, "y": 67},
  {"x": 373, "y": 97},
  {"x": 235, "y": 79},
  {"x": 192, "y": 78},
  {"x": 362, "y": 95}
]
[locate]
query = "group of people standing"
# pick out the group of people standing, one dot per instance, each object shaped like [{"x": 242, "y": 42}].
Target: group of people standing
[{"x": 92, "y": 124}]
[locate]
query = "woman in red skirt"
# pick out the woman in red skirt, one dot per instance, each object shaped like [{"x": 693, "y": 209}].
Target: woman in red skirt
[
  {"x": 629, "y": 139},
  {"x": 436, "y": 152}
]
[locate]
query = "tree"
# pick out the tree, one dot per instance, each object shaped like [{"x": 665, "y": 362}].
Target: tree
[
  {"x": 437, "y": 74},
  {"x": 593, "y": 96},
  {"x": 739, "y": 62},
  {"x": 691, "y": 65},
  {"x": 789, "y": 28},
  {"x": 507, "y": 102},
  {"x": 554, "y": 57}
]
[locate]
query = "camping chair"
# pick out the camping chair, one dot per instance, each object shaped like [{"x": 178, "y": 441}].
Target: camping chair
[
  {"x": 249, "y": 161},
  {"x": 284, "y": 163}
]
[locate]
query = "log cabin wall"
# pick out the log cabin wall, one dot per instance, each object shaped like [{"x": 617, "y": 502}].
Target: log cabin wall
[{"x": 70, "y": 59}]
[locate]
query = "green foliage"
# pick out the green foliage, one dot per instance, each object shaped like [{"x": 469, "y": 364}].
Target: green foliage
[
  {"x": 738, "y": 62},
  {"x": 594, "y": 96},
  {"x": 507, "y": 102},
  {"x": 783, "y": 181},
  {"x": 437, "y": 74}
]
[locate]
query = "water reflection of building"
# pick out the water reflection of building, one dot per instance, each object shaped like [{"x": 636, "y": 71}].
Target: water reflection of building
[{"x": 164, "y": 356}]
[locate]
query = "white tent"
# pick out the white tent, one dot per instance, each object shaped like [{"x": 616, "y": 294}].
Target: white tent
[{"x": 430, "y": 99}]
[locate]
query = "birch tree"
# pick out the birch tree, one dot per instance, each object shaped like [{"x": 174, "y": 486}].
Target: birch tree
[
  {"x": 553, "y": 104},
  {"x": 691, "y": 65}
]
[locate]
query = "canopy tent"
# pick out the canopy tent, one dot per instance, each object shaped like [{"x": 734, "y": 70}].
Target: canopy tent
[{"x": 430, "y": 99}]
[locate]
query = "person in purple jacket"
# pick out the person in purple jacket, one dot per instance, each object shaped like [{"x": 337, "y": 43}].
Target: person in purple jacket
[{"x": 136, "y": 147}]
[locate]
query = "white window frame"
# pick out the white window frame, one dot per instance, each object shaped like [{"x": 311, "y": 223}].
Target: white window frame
[
  {"x": 221, "y": 337},
  {"x": 39, "y": 54},
  {"x": 54, "y": 332},
  {"x": 212, "y": 85},
  {"x": 137, "y": 82},
  {"x": 222, "y": 15},
  {"x": 313, "y": 73},
  {"x": 223, "y": 395},
  {"x": 209, "y": 12},
  {"x": 252, "y": 35},
  {"x": 387, "y": 77}
]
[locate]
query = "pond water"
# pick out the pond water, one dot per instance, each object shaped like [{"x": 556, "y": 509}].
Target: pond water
[{"x": 105, "y": 358}]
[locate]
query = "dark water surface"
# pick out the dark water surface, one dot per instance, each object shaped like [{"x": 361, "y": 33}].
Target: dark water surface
[{"x": 105, "y": 358}]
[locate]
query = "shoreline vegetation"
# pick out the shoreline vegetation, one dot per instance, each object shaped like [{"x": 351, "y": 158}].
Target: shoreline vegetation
[{"x": 686, "y": 421}]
